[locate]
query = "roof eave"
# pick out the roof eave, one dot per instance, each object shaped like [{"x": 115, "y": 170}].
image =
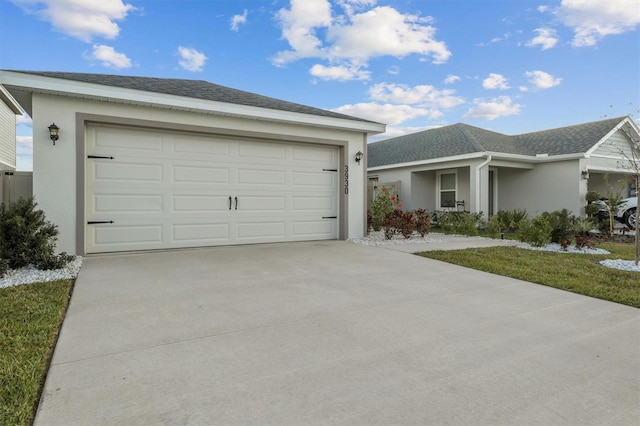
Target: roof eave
[
  {"x": 9, "y": 100},
  {"x": 494, "y": 155},
  {"x": 61, "y": 87}
]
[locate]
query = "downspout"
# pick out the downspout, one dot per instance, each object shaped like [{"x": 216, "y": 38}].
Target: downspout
[{"x": 478, "y": 168}]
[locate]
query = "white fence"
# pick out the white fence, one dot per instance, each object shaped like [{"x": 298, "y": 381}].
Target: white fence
[{"x": 15, "y": 185}]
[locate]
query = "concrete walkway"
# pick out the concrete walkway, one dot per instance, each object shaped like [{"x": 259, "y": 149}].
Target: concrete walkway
[{"x": 333, "y": 333}]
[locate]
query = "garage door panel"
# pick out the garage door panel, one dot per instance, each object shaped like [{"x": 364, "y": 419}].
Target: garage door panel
[
  {"x": 252, "y": 231},
  {"x": 253, "y": 176},
  {"x": 174, "y": 191},
  {"x": 314, "y": 228},
  {"x": 200, "y": 203},
  {"x": 200, "y": 174},
  {"x": 201, "y": 146},
  {"x": 118, "y": 203},
  {"x": 126, "y": 172},
  {"x": 256, "y": 151},
  {"x": 320, "y": 203},
  {"x": 315, "y": 155},
  {"x": 319, "y": 178},
  {"x": 139, "y": 236},
  {"x": 201, "y": 233},
  {"x": 253, "y": 204},
  {"x": 126, "y": 141}
]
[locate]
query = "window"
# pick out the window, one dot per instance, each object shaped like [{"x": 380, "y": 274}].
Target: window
[{"x": 447, "y": 190}]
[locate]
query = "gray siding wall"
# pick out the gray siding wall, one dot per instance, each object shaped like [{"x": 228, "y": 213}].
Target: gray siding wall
[
  {"x": 547, "y": 187},
  {"x": 7, "y": 138}
]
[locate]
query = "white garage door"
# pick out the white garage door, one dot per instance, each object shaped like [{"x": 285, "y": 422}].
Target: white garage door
[{"x": 155, "y": 190}]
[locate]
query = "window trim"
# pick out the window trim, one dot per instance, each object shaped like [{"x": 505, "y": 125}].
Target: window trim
[{"x": 439, "y": 189}]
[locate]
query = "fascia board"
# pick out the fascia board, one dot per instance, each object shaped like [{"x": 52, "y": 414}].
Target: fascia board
[
  {"x": 607, "y": 136},
  {"x": 10, "y": 101},
  {"x": 495, "y": 156},
  {"x": 470, "y": 156},
  {"x": 130, "y": 96}
]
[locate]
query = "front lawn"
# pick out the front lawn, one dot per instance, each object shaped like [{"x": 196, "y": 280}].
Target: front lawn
[
  {"x": 30, "y": 317},
  {"x": 578, "y": 273}
]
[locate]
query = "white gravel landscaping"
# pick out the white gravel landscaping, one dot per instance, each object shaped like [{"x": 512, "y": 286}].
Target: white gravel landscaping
[
  {"x": 377, "y": 239},
  {"x": 30, "y": 274}
]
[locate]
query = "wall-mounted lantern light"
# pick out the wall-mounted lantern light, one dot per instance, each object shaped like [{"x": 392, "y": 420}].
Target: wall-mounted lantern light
[
  {"x": 359, "y": 156},
  {"x": 53, "y": 132},
  {"x": 585, "y": 174}
]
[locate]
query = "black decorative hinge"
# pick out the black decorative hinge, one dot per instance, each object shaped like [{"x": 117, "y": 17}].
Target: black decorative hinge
[
  {"x": 100, "y": 156},
  {"x": 329, "y": 217},
  {"x": 96, "y": 222}
]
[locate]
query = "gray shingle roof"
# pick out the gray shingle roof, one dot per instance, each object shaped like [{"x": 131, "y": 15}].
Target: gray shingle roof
[
  {"x": 197, "y": 89},
  {"x": 459, "y": 139}
]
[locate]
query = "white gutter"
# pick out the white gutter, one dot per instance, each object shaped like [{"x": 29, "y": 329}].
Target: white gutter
[{"x": 478, "y": 168}]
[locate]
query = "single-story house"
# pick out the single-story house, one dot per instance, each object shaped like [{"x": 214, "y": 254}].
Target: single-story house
[
  {"x": 150, "y": 163},
  {"x": 462, "y": 167}
]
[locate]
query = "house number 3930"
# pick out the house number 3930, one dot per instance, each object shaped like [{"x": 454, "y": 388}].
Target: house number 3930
[{"x": 346, "y": 179}]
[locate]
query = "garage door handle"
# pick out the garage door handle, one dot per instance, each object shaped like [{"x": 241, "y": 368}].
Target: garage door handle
[
  {"x": 229, "y": 202},
  {"x": 236, "y": 203},
  {"x": 96, "y": 222}
]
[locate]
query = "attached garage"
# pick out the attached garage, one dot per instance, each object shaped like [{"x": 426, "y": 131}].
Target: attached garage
[
  {"x": 158, "y": 190},
  {"x": 147, "y": 164}
]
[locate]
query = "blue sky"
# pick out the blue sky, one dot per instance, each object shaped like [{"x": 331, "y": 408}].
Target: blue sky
[{"x": 511, "y": 66}]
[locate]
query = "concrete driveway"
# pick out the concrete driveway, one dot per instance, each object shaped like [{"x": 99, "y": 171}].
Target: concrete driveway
[{"x": 333, "y": 333}]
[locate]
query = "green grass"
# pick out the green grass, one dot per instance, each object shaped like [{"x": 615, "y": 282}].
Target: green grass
[
  {"x": 578, "y": 273},
  {"x": 30, "y": 317}
]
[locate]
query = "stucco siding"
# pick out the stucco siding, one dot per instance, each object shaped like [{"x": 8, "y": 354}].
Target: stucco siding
[
  {"x": 54, "y": 181},
  {"x": 547, "y": 187},
  {"x": 7, "y": 138},
  {"x": 423, "y": 190}
]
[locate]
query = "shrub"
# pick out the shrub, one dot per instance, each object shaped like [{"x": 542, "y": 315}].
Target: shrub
[
  {"x": 493, "y": 227},
  {"x": 27, "y": 238},
  {"x": 508, "y": 220},
  {"x": 384, "y": 204},
  {"x": 463, "y": 223},
  {"x": 582, "y": 229},
  {"x": 399, "y": 221},
  {"x": 562, "y": 223},
  {"x": 536, "y": 231}
]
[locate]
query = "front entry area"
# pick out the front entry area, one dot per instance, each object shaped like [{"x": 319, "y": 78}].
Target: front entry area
[{"x": 152, "y": 189}]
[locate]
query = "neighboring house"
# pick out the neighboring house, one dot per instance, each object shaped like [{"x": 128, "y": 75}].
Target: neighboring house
[
  {"x": 465, "y": 167},
  {"x": 9, "y": 108},
  {"x": 151, "y": 163}
]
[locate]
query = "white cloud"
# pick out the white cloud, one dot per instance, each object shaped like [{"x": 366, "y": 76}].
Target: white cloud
[
  {"x": 423, "y": 95},
  {"x": 351, "y": 39},
  {"x": 191, "y": 59},
  {"x": 395, "y": 131},
  {"x": 593, "y": 20},
  {"x": 546, "y": 38},
  {"x": 542, "y": 80},
  {"x": 238, "y": 20},
  {"x": 495, "y": 81},
  {"x": 109, "y": 58},
  {"x": 451, "y": 79},
  {"x": 394, "y": 70},
  {"x": 340, "y": 73},
  {"x": 24, "y": 119},
  {"x": 24, "y": 153},
  {"x": 498, "y": 107},
  {"x": 82, "y": 19},
  {"x": 386, "y": 113},
  {"x": 24, "y": 142}
]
